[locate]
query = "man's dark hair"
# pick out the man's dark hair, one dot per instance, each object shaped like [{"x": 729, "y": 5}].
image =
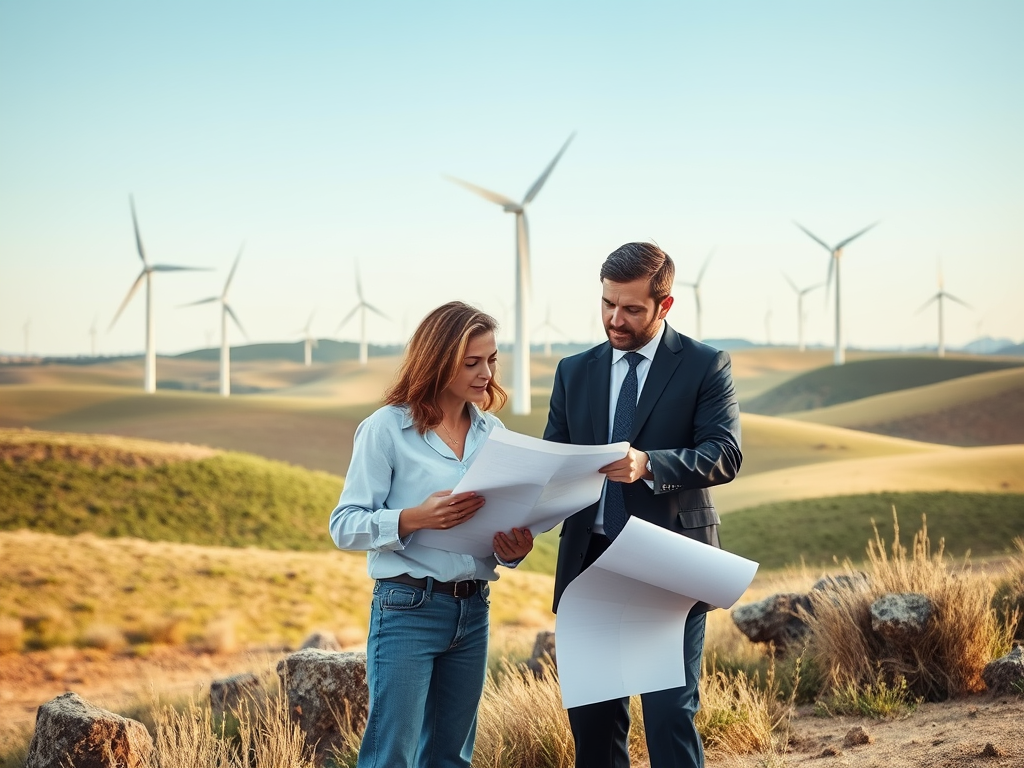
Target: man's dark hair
[{"x": 634, "y": 261}]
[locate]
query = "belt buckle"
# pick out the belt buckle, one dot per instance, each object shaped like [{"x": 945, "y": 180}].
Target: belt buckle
[{"x": 458, "y": 588}]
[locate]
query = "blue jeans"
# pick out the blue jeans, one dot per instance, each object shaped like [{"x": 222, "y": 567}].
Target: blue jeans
[{"x": 426, "y": 659}]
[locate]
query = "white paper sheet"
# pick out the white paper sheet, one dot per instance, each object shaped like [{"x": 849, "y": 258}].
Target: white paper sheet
[
  {"x": 527, "y": 483},
  {"x": 620, "y": 623}
]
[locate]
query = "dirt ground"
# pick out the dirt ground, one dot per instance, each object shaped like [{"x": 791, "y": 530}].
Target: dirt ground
[{"x": 982, "y": 730}]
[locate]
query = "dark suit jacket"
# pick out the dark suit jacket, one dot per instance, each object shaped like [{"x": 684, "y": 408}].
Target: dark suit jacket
[{"x": 687, "y": 420}]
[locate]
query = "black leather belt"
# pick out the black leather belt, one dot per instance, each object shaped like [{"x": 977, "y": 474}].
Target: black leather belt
[{"x": 453, "y": 588}]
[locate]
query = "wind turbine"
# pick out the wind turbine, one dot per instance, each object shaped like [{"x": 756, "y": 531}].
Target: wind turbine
[
  {"x": 92, "y": 337},
  {"x": 521, "y": 351},
  {"x": 938, "y": 297},
  {"x": 27, "y": 327},
  {"x": 835, "y": 253},
  {"x": 768, "y": 326},
  {"x": 361, "y": 308},
  {"x": 149, "y": 379},
  {"x": 310, "y": 342},
  {"x": 225, "y": 310},
  {"x": 800, "y": 293},
  {"x": 548, "y": 327},
  {"x": 696, "y": 291}
]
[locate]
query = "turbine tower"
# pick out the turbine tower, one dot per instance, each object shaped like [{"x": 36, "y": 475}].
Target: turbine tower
[
  {"x": 361, "y": 307},
  {"x": 938, "y": 297},
  {"x": 225, "y": 310},
  {"x": 800, "y": 293},
  {"x": 92, "y": 337},
  {"x": 27, "y": 327},
  {"x": 835, "y": 255},
  {"x": 548, "y": 326},
  {"x": 696, "y": 292},
  {"x": 521, "y": 352},
  {"x": 149, "y": 378},
  {"x": 309, "y": 341}
]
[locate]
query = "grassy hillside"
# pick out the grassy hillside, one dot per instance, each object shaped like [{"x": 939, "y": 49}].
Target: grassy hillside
[
  {"x": 814, "y": 531},
  {"x": 110, "y": 593},
  {"x": 831, "y": 385},
  {"x": 991, "y": 469},
  {"x": 983, "y": 409}
]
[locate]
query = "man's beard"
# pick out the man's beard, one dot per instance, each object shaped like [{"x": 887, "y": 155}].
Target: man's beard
[{"x": 635, "y": 339}]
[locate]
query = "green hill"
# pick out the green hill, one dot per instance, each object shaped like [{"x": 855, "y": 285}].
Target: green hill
[{"x": 832, "y": 385}]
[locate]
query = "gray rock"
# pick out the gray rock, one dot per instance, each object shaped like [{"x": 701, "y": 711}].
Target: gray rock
[
  {"x": 232, "y": 694},
  {"x": 852, "y": 582},
  {"x": 72, "y": 732},
  {"x": 1006, "y": 674},
  {"x": 543, "y": 657},
  {"x": 857, "y": 736},
  {"x": 901, "y": 618},
  {"x": 325, "y": 641},
  {"x": 321, "y": 687},
  {"x": 775, "y": 619}
]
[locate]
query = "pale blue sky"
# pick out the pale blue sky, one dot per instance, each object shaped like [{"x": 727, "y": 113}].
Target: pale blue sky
[{"x": 319, "y": 133}]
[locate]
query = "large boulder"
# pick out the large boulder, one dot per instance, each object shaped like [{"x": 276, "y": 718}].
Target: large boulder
[
  {"x": 232, "y": 694},
  {"x": 776, "y": 619},
  {"x": 325, "y": 689},
  {"x": 542, "y": 660},
  {"x": 325, "y": 641},
  {"x": 901, "y": 618},
  {"x": 1006, "y": 674},
  {"x": 72, "y": 732}
]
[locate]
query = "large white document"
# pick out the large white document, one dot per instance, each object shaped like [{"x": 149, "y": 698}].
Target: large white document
[
  {"x": 527, "y": 483},
  {"x": 620, "y": 623}
]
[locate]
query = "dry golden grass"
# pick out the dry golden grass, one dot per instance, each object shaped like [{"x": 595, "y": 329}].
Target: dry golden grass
[
  {"x": 31, "y": 445},
  {"x": 989, "y": 469},
  {"x": 956, "y": 645}
]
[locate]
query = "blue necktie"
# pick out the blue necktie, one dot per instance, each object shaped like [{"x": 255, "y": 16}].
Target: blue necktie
[{"x": 615, "y": 514}]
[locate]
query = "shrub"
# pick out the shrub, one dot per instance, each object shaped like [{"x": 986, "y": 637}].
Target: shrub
[
  {"x": 1008, "y": 599},
  {"x": 946, "y": 662}
]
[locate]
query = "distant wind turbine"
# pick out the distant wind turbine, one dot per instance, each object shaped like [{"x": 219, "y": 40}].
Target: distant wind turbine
[
  {"x": 521, "y": 352},
  {"x": 361, "y": 307},
  {"x": 800, "y": 293},
  {"x": 225, "y": 310},
  {"x": 835, "y": 255},
  {"x": 696, "y": 291},
  {"x": 149, "y": 378},
  {"x": 92, "y": 337},
  {"x": 938, "y": 297},
  {"x": 768, "y": 326},
  {"x": 547, "y": 326},
  {"x": 27, "y": 327},
  {"x": 309, "y": 341}
]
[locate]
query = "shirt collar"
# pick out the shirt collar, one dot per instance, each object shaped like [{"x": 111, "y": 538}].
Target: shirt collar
[{"x": 647, "y": 350}]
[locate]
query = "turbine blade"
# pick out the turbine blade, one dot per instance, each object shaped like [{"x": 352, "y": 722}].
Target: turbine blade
[
  {"x": 951, "y": 297},
  {"x": 201, "y": 301},
  {"x": 238, "y": 322},
  {"x": 706, "y": 262},
  {"x": 359, "y": 285},
  {"x": 791, "y": 283},
  {"x": 814, "y": 237},
  {"x": 138, "y": 237},
  {"x": 348, "y": 317},
  {"x": 231, "y": 274},
  {"x": 175, "y": 268},
  {"x": 494, "y": 197},
  {"x": 851, "y": 238},
  {"x": 811, "y": 288},
  {"x": 924, "y": 306},
  {"x": 131, "y": 292},
  {"x": 547, "y": 171},
  {"x": 374, "y": 309}
]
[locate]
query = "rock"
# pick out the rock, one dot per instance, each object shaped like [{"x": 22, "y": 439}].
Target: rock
[
  {"x": 901, "y": 618},
  {"x": 991, "y": 750},
  {"x": 232, "y": 694},
  {"x": 71, "y": 731},
  {"x": 774, "y": 619},
  {"x": 322, "y": 686},
  {"x": 856, "y": 736},
  {"x": 325, "y": 641},
  {"x": 831, "y": 752},
  {"x": 852, "y": 582},
  {"x": 1006, "y": 674},
  {"x": 543, "y": 657}
]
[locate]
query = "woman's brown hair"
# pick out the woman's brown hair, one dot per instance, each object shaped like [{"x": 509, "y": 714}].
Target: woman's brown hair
[{"x": 432, "y": 361}]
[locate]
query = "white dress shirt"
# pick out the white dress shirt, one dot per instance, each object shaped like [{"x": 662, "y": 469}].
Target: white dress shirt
[{"x": 620, "y": 367}]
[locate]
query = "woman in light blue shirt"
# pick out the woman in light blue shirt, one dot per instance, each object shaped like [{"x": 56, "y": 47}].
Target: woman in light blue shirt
[{"x": 426, "y": 653}]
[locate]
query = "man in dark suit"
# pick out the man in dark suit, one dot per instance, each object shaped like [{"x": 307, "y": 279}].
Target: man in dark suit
[{"x": 673, "y": 399}]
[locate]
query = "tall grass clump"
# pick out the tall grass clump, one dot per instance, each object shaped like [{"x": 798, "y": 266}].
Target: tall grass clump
[
  {"x": 945, "y": 662},
  {"x": 741, "y": 714},
  {"x": 1008, "y": 599}
]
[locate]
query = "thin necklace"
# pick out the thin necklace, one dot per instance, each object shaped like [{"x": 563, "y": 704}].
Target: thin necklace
[{"x": 450, "y": 437}]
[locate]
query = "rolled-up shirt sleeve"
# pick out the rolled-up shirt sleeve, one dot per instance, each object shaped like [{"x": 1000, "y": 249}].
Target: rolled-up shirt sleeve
[{"x": 362, "y": 521}]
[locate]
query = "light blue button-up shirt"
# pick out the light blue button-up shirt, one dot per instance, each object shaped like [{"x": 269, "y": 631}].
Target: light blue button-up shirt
[{"x": 394, "y": 467}]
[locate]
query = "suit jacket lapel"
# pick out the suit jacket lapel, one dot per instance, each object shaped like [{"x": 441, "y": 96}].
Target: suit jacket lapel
[
  {"x": 599, "y": 377},
  {"x": 666, "y": 360}
]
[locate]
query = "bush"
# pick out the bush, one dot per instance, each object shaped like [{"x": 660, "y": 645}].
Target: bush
[{"x": 1008, "y": 599}]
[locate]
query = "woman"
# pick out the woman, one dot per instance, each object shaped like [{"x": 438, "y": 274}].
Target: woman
[{"x": 426, "y": 654}]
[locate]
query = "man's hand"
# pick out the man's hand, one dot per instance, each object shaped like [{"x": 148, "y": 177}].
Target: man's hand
[{"x": 628, "y": 469}]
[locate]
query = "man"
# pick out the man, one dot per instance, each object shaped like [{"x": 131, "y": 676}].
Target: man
[{"x": 673, "y": 399}]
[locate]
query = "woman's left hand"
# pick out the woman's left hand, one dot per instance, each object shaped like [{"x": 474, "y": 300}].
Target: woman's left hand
[{"x": 514, "y": 545}]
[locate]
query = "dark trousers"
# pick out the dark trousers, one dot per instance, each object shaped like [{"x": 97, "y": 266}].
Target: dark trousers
[{"x": 601, "y": 731}]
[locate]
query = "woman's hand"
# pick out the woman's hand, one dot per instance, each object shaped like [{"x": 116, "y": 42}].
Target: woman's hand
[
  {"x": 441, "y": 510},
  {"x": 514, "y": 545}
]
